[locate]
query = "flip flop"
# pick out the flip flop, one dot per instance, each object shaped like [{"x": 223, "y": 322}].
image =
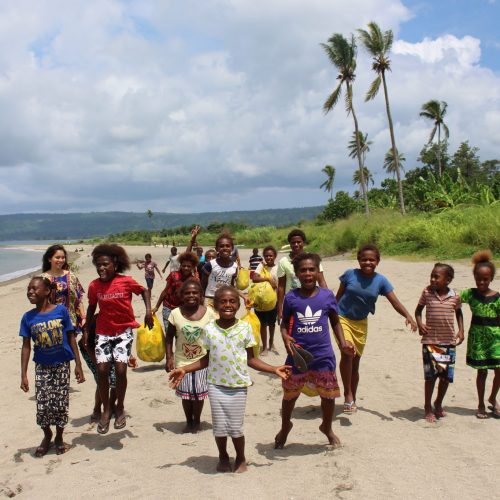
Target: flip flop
[
  {"x": 306, "y": 355},
  {"x": 494, "y": 411},
  {"x": 61, "y": 449},
  {"x": 103, "y": 428},
  {"x": 298, "y": 360},
  {"x": 120, "y": 422},
  {"x": 350, "y": 407},
  {"x": 41, "y": 451}
]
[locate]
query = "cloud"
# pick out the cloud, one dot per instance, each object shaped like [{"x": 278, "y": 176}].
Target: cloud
[{"x": 215, "y": 105}]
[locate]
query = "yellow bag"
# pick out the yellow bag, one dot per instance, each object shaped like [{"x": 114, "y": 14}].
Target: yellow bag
[
  {"x": 263, "y": 295},
  {"x": 251, "y": 318},
  {"x": 151, "y": 342},
  {"x": 243, "y": 279}
]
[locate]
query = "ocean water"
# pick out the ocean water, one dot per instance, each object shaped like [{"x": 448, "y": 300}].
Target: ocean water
[{"x": 16, "y": 262}]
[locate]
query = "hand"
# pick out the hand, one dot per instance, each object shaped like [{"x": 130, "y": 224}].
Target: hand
[
  {"x": 80, "y": 377},
  {"x": 195, "y": 232},
  {"x": 348, "y": 348},
  {"x": 423, "y": 329},
  {"x": 287, "y": 341},
  {"x": 410, "y": 321},
  {"x": 460, "y": 338},
  {"x": 25, "y": 386},
  {"x": 176, "y": 377},
  {"x": 148, "y": 320},
  {"x": 248, "y": 303},
  {"x": 169, "y": 364},
  {"x": 283, "y": 371},
  {"x": 154, "y": 310}
]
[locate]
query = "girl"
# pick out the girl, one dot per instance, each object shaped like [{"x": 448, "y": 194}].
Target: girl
[
  {"x": 170, "y": 295},
  {"x": 228, "y": 342},
  {"x": 439, "y": 341},
  {"x": 113, "y": 293},
  {"x": 186, "y": 324},
  {"x": 286, "y": 274},
  {"x": 149, "y": 270},
  {"x": 267, "y": 272},
  {"x": 306, "y": 312},
  {"x": 68, "y": 291},
  {"x": 483, "y": 343},
  {"x": 53, "y": 335},
  {"x": 357, "y": 294}
]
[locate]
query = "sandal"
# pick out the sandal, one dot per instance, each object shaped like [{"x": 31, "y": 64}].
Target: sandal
[
  {"x": 495, "y": 412},
  {"x": 41, "y": 451},
  {"x": 350, "y": 407},
  {"x": 103, "y": 428},
  {"x": 61, "y": 449},
  {"x": 120, "y": 422}
]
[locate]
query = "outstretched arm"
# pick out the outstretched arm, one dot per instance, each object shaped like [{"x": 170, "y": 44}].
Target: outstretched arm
[
  {"x": 400, "y": 308},
  {"x": 257, "y": 364},
  {"x": 177, "y": 375}
]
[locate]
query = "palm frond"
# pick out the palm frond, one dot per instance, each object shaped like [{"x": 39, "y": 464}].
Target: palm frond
[
  {"x": 332, "y": 99},
  {"x": 348, "y": 99},
  {"x": 446, "y": 130},
  {"x": 374, "y": 88},
  {"x": 388, "y": 40},
  {"x": 433, "y": 133}
]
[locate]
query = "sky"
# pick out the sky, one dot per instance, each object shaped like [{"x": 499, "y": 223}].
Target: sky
[{"x": 216, "y": 105}]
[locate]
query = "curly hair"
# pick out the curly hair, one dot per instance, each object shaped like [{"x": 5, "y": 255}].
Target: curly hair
[
  {"x": 484, "y": 258},
  {"x": 49, "y": 253},
  {"x": 306, "y": 256},
  {"x": 369, "y": 248},
  {"x": 115, "y": 252},
  {"x": 188, "y": 257},
  {"x": 296, "y": 232},
  {"x": 224, "y": 236},
  {"x": 270, "y": 248},
  {"x": 450, "y": 272}
]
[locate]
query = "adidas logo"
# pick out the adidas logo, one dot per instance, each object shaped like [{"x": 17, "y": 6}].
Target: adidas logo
[{"x": 308, "y": 318}]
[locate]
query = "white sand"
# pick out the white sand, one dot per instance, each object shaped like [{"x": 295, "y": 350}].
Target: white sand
[{"x": 388, "y": 449}]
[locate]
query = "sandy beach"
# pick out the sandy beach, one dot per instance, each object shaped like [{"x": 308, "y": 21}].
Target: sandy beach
[{"x": 388, "y": 449}]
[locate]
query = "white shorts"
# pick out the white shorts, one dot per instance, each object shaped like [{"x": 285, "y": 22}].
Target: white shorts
[{"x": 116, "y": 348}]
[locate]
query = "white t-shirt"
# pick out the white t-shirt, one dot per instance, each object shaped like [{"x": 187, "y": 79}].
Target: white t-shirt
[
  {"x": 174, "y": 263},
  {"x": 272, "y": 270},
  {"x": 219, "y": 276}
]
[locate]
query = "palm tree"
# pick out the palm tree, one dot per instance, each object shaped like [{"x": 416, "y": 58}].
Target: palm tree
[
  {"x": 435, "y": 111},
  {"x": 367, "y": 176},
  {"x": 390, "y": 165},
  {"x": 379, "y": 44},
  {"x": 328, "y": 184},
  {"x": 342, "y": 54},
  {"x": 364, "y": 146}
]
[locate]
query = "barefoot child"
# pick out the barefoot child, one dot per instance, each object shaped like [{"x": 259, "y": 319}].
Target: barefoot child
[
  {"x": 112, "y": 291},
  {"x": 483, "y": 342},
  {"x": 357, "y": 294},
  {"x": 441, "y": 304},
  {"x": 267, "y": 271},
  {"x": 228, "y": 342},
  {"x": 186, "y": 324},
  {"x": 149, "y": 270},
  {"x": 306, "y": 312},
  {"x": 53, "y": 335}
]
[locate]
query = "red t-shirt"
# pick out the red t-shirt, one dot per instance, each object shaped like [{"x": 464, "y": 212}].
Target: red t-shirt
[
  {"x": 174, "y": 282},
  {"x": 115, "y": 304}
]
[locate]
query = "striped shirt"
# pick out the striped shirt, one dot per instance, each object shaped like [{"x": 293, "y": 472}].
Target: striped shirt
[{"x": 440, "y": 316}]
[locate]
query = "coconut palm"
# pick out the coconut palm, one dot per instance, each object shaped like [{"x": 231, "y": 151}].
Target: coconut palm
[
  {"x": 328, "y": 184},
  {"x": 364, "y": 146},
  {"x": 390, "y": 165},
  {"x": 342, "y": 54},
  {"x": 435, "y": 111},
  {"x": 367, "y": 176},
  {"x": 379, "y": 44}
]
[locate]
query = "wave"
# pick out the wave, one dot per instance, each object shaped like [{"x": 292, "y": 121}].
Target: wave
[{"x": 17, "y": 274}]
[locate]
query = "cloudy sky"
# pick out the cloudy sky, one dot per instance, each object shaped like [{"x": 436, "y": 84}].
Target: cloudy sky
[{"x": 198, "y": 105}]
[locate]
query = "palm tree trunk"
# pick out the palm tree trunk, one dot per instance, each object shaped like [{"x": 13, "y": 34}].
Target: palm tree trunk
[
  {"x": 393, "y": 145},
  {"x": 358, "y": 154},
  {"x": 439, "y": 151}
]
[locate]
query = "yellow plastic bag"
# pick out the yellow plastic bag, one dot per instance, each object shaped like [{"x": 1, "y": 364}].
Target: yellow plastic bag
[
  {"x": 251, "y": 318},
  {"x": 263, "y": 295},
  {"x": 151, "y": 342},
  {"x": 243, "y": 279}
]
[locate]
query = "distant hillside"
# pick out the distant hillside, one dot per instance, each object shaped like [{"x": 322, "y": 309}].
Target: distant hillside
[{"x": 88, "y": 225}]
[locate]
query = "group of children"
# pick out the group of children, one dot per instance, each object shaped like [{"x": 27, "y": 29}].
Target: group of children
[{"x": 213, "y": 348}]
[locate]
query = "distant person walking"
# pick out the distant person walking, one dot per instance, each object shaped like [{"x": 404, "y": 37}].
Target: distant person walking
[{"x": 149, "y": 267}]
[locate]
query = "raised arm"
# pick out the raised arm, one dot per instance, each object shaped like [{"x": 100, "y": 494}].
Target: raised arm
[
  {"x": 194, "y": 233},
  {"x": 400, "y": 308}
]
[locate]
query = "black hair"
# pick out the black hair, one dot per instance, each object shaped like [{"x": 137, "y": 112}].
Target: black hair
[
  {"x": 224, "y": 236},
  {"x": 369, "y": 248},
  {"x": 190, "y": 282},
  {"x": 225, "y": 288},
  {"x": 49, "y": 253},
  {"x": 271, "y": 249},
  {"x": 296, "y": 232},
  {"x": 148, "y": 255},
  {"x": 450, "y": 272},
  {"x": 484, "y": 258},
  {"x": 306, "y": 256},
  {"x": 115, "y": 252},
  {"x": 47, "y": 283},
  {"x": 255, "y": 250},
  {"x": 188, "y": 256}
]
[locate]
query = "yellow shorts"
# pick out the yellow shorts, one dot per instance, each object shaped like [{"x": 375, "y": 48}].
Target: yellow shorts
[{"x": 355, "y": 331}]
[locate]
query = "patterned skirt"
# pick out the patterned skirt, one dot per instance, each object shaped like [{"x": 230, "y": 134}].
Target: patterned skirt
[
  {"x": 52, "y": 394},
  {"x": 193, "y": 386}
]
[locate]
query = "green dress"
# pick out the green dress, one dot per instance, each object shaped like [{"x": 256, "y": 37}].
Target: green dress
[{"x": 483, "y": 342}]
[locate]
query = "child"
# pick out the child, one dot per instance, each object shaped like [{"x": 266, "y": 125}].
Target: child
[
  {"x": 186, "y": 324},
  {"x": 228, "y": 342},
  {"x": 174, "y": 264},
  {"x": 255, "y": 259},
  {"x": 286, "y": 274},
  {"x": 306, "y": 312},
  {"x": 483, "y": 342},
  {"x": 52, "y": 332},
  {"x": 357, "y": 294},
  {"x": 441, "y": 304},
  {"x": 149, "y": 270},
  {"x": 112, "y": 291},
  {"x": 170, "y": 295},
  {"x": 267, "y": 272}
]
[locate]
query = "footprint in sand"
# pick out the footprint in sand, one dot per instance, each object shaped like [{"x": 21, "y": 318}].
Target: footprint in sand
[{"x": 49, "y": 469}]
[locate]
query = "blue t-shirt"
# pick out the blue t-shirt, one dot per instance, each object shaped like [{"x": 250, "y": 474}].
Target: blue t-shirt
[
  {"x": 49, "y": 332},
  {"x": 309, "y": 326},
  {"x": 361, "y": 293}
]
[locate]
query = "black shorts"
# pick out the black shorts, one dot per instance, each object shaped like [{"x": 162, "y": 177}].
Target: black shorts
[{"x": 268, "y": 318}]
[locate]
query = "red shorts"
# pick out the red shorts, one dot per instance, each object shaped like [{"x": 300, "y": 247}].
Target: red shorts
[{"x": 322, "y": 383}]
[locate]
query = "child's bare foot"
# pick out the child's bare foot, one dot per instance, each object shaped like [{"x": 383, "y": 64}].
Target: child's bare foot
[
  {"x": 196, "y": 427},
  {"x": 61, "y": 448},
  {"x": 44, "y": 446},
  {"x": 96, "y": 416},
  {"x": 430, "y": 417},
  {"x": 188, "y": 428},
  {"x": 494, "y": 406},
  {"x": 280, "y": 438},
  {"x": 332, "y": 437},
  {"x": 224, "y": 464},
  {"x": 481, "y": 413},
  {"x": 240, "y": 466},
  {"x": 264, "y": 352},
  {"x": 438, "y": 411}
]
